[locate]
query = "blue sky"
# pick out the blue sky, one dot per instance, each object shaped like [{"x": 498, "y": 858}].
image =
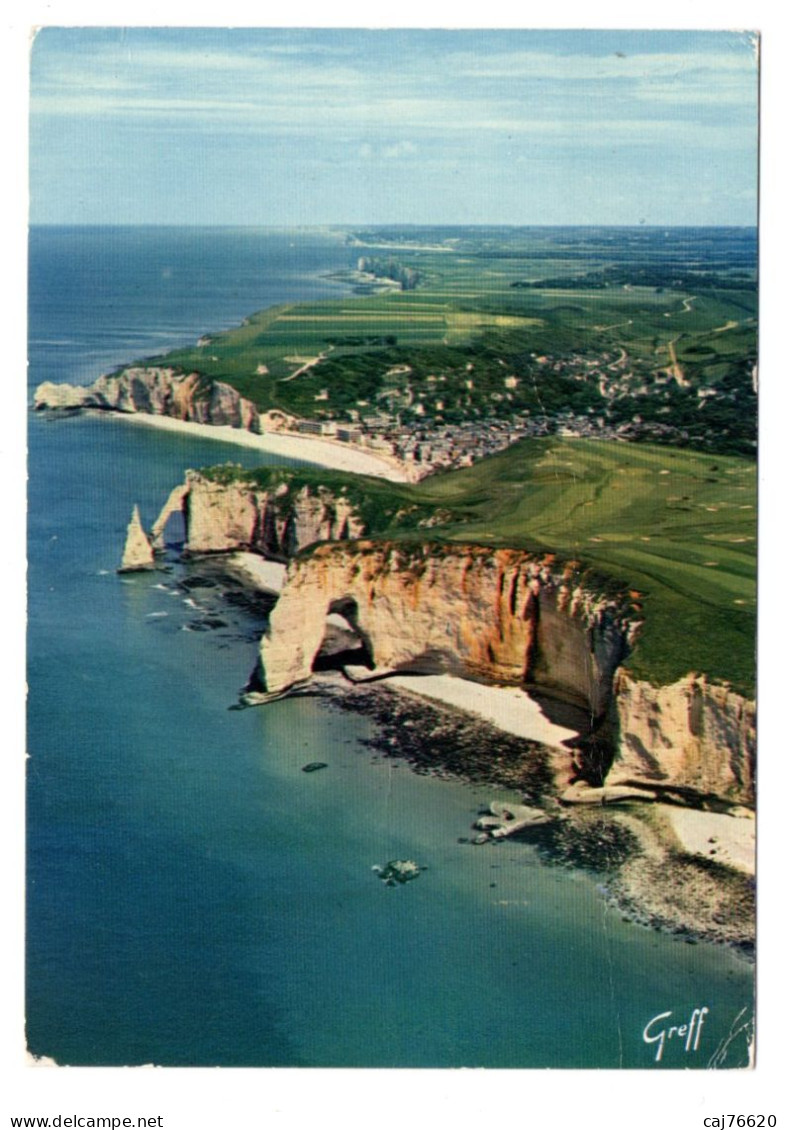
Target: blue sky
[{"x": 284, "y": 127}]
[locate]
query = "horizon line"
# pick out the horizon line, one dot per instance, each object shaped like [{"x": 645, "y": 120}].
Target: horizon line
[{"x": 376, "y": 225}]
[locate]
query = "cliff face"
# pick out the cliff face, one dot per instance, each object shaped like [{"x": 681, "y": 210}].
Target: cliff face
[
  {"x": 493, "y": 616},
  {"x": 157, "y": 392},
  {"x": 507, "y": 617},
  {"x": 692, "y": 733},
  {"x": 222, "y": 517},
  {"x": 496, "y": 616}
]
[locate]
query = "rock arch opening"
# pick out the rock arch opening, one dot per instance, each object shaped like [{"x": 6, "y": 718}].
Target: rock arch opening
[
  {"x": 171, "y": 526},
  {"x": 173, "y": 532},
  {"x": 344, "y": 643}
]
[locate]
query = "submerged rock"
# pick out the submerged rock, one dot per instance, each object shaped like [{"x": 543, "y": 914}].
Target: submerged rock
[{"x": 398, "y": 871}]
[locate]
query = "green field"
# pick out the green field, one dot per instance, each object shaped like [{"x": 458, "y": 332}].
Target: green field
[
  {"x": 675, "y": 528},
  {"x": 490, "y": 305},
  {"x": 641, "y": 333}
]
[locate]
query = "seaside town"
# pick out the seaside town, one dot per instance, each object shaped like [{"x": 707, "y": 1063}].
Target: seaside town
[
  {"x": 430, "y": 444},
  {"x": 441, "y": 447}
]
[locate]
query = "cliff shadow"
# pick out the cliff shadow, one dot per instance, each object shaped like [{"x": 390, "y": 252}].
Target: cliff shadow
[
  {"x": 595, "y": 744},
  {"x": 571, "y": 714}
]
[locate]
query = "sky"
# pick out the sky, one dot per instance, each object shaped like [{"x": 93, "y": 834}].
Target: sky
[{"x": 340, "y": 126}]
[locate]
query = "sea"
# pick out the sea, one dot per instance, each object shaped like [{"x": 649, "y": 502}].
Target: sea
[{"x": 193, "y": 897}]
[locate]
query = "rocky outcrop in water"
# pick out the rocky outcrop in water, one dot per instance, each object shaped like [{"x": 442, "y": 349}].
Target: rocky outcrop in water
[
  {"x": 138, "y": 552},
  {"x": 157, "y": 392}
]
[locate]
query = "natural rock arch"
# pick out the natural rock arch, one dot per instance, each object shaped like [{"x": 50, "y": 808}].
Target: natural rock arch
[
  {"x": 497, "y": 616},
  {"x": 345, "y": 643},
  {"x": 176, "y": 504}
]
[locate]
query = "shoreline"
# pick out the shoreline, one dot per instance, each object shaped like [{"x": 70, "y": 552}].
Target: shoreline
[
  {"x": 674, "y": 870},
  {"x": 686, "y": 871},
  {"x": 326, "y": 453}
]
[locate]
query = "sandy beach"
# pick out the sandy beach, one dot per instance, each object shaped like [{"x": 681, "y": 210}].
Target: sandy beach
[
  {"x": 322, "y": 452},
  {"x": 258, "y": 572},
  {"x": 508, "y": 708},
  {"x": 714, "y": 835}
]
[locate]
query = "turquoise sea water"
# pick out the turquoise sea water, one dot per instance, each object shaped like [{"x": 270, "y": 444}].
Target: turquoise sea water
[{"x": 193, "y": 896}]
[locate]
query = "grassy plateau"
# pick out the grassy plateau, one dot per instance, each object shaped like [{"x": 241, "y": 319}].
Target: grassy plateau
[{"x": 639, "y": 333}]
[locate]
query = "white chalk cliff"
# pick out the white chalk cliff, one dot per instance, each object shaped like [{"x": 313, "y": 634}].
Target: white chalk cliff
[
  {"x": 496, "y": 616},
  {"x": 510, "y": 618},
  {"x": 276, "y": 522},
  {"x": 157, "y": 392}
]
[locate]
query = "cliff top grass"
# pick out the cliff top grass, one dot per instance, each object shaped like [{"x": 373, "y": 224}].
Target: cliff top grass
[{"x": 677, "y": 528}]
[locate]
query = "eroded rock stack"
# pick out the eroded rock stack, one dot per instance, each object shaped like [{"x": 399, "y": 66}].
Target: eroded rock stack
[{"x": 138, "y": 552}]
